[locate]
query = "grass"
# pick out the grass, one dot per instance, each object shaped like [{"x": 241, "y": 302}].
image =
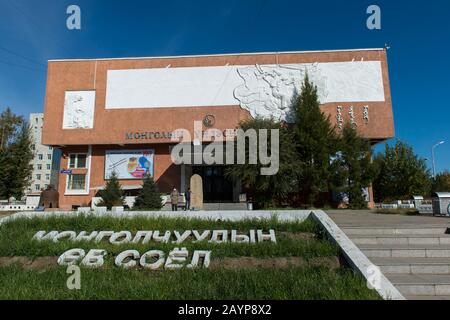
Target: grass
[
  {"x": 16, "y": 237},
  {"x": 110, "y": 282}
]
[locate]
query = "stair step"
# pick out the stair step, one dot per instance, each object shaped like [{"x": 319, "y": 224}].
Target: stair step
[
  {"x": 421, "y": 285},
  {"x": 404, "y": 230},
  {"x": 412, "y": 239},
  {"x": 417, "y": 297},
  {"x": 413, "y": 265},
  {"x": 405, "y": 251}
]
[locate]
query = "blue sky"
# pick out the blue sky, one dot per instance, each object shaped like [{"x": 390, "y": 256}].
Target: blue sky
[{"x": 31, "y": 32}]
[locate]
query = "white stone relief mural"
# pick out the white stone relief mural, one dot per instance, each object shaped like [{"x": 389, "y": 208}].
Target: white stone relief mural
[
  {"x": 79, "y": 110},
  {"x": 268, "y": 90},
  {"x": 264, "y": 90}
]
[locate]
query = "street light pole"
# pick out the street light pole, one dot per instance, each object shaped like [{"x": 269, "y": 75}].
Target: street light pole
[{"x": 432, "y": 156}]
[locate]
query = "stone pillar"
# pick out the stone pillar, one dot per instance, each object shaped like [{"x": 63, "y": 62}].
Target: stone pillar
[
  {"x": 196, "y": 192},
  {"x": 371, "y": 203},
  {"x": 183, "y": 179}
]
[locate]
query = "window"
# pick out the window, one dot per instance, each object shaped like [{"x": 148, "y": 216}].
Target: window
[
  {"x": 77, "y": 161},
  {"x": 33, "y": 147},
  {"x": 37, "y": 187},
  {"x": 38, "y": 177},
  {"x": 47, "y": 176},
  {"x": 40, "y": 156},
  {"x": 39, "y": 166},
  {"x": 72, "y": 160},
  {"x": 49, "y": 166},
  {"x": 81, "y": 162},
  {"x": 49, "y": 156},
  {"x": 76, "y": 182}
]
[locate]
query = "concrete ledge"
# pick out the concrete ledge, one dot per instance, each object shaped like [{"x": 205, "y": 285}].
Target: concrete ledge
[
  {"x": 358, "y": 261},
  {"x": 297, "y": 215}
]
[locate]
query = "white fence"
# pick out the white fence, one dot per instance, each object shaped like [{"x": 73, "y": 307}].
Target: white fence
[{"x": 419, "y": 205}]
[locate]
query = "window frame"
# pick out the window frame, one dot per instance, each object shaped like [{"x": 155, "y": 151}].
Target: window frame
[
  {"x": 70, "y": 179},
  {"x": 76, "y": 160},
  {"x": 86, "y": 167}
]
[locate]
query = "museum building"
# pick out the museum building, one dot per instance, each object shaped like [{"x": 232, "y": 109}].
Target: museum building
[{"x": 119, "y": 115}]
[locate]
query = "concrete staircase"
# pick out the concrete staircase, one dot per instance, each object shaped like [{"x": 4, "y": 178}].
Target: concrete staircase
[{"x": 415, "y": 258}]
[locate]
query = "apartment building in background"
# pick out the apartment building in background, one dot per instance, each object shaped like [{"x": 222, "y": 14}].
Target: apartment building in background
[{"x": 44, "y": 158}]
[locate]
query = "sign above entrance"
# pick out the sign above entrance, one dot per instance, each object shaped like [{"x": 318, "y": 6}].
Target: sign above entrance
[
  {"x": 181, "y": 134},
  {"x": 129, "y": 164}
]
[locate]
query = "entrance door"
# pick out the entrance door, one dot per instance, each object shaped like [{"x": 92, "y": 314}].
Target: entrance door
[{"x": 216, "y": 188}]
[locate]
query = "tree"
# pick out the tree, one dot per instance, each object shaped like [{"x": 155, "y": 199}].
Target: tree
[
  {"x": 149, "y": 197},
  {"x": 112, "y": 195},
  {"x": 22, "y": 156},
  {"x": 316, "y": 143},
  {"x": 400, "y": 173},
  {"x": 9, "y": 125},
  {"x": 267, "y": 190},
  {"x": 15, "y": 157},
  {"x": 354, "y": 169},
  {"x": 441, "y": 183}
]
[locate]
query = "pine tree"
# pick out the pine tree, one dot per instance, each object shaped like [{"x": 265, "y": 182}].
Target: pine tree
[
  {"x": 267, "y": 190},
  {"x": 21, "y": 155},
  {"x": 400, "y": 173},
  {"x": 149, "y": 197},
  {"x": 9, "y": 125},
  {"x": 15, "y": 161},
  {"x": 112, "y": 195},
  {"x": 354, "y": 169},
  {"x": 316, "y": 143},
  {"x": 6, "y": 173}
]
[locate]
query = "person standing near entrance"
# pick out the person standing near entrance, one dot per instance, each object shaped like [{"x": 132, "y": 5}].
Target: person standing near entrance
[
  {"x": 174, "y": 195},
  {"x": 187, "y": 195}
]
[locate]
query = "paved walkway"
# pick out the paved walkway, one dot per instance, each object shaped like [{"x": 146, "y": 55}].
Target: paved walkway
[
  {"x": 368, "y": 218},
  {"x": 413, "y": 252}
]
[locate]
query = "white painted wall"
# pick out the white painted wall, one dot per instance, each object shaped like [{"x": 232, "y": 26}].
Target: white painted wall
[{"x": 262, "y": 89}]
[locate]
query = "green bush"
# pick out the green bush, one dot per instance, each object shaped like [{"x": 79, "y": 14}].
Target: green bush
[
  {"x": 149, "y": 197},
  {"x": 113, "y": 194}
]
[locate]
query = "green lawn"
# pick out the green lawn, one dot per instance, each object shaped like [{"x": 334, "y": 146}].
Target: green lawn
[{"x": 111, "y": 282}]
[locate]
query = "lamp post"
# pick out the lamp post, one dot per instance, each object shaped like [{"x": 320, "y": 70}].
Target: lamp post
[{"x": 432, "y": 156}]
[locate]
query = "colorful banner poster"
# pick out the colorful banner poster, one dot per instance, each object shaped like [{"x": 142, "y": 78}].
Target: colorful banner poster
[{"x": 129, "y": 164}]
